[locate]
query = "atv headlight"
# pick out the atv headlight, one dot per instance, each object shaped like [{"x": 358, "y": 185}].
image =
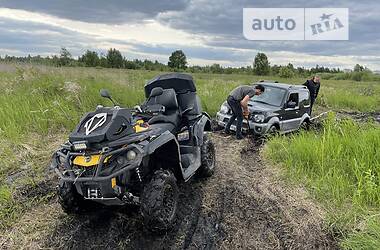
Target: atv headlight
[
  {"x": 224, "y": 109},
  {"x": 258, "y": 118},
  {"x": 79, "y": 146},
  {"x": 131, "y": 155}
]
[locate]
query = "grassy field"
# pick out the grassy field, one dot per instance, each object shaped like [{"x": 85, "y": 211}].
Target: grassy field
[
  {"x": 40, "y": 105},
  {"x": 341, "y": 167}
]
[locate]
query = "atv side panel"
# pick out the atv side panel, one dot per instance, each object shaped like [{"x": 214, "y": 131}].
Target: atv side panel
[{"x": 202, "y": 125}]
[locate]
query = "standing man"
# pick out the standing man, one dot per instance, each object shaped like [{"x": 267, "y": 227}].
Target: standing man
[
  {"x": 238, "y": 101},
  {"x": 313, "y": 86}
]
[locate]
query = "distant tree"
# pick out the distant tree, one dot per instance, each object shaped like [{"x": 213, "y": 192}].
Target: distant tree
[
  {"x": 286, "y": 72},
  {"x": 290, "y": 66},
  {"x": 275, "y": 69},
  {"x": 177, "y": 60},
  {"x": 64, "y": 57},
  {"x": 358, "y": 68},
  {"x": 114, "y": 59},
  {"x": 55, "y": 60},
  {"x": 216, "y": 68},
  {"x": 261, "y": 64},
  {"x": 130, "y": 64},
  {"x": 90, "y": 59},
  {"x": 301, "y": 71}
]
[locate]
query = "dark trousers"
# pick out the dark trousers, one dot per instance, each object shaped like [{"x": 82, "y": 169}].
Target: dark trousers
[
  {"x": 237, "y": 114},
  {"x": 312, "y": 101}
]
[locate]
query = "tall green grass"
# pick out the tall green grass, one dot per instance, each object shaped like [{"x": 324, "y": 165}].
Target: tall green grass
[
  {"x": 41, "y": 105},
  {"x": 364, "y": 97},
  {"x": 341, "y": 166}
]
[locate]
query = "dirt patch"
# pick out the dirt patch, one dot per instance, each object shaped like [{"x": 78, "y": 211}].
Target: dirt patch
[
  {"x": 342, "y": 114},
  {"x": 244, "y": 205},
  {"x": 360, "y": 116}
]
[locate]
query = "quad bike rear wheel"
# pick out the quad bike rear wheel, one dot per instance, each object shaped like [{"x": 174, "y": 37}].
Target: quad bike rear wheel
[
  {"x": 159, "y": 201},
  {"x": 208, "y": 158},
  {"x": 69, "y": 199}
]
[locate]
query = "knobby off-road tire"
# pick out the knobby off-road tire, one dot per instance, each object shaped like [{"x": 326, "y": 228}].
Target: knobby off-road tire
[
  {"x": 159, "y": 201},
  {"x": 208, "y": 158},
  {"x": 69, "y": 199}
]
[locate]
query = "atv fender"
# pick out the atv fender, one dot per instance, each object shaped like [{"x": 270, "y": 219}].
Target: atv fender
[
  {"x": 202, "y": 125},
  {"x": 166, "y": 145}
]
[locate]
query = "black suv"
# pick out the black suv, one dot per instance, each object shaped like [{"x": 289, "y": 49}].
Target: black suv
[{"x": 282, "y": 107}]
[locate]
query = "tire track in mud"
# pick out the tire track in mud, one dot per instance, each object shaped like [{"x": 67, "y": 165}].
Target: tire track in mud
[{"x": 243, "y": 206}]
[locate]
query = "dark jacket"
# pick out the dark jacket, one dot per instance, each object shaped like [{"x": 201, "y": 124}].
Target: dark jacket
[{"x": 313, "y": 88}]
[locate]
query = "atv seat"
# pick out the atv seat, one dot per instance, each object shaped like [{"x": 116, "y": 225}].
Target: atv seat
[
  {"x": 183, "y": 85},
  {"x": 168, "y": 100},
  {"x": 190, "y": 105}
]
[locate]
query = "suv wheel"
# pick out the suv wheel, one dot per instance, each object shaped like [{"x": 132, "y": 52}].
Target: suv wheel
[
  {"x": 273, "y": 130},
  {"x": 159, "y": 201},
  {"x": 208, "y": 157},
  {"x": 305, "y": 125},
  {"x": 69, "y": 199}
]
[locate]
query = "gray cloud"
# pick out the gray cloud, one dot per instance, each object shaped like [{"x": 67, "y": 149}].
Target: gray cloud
[
  {"x": 98, "y": 11},
  {"x": 219, "y": 22},
  {"x": 224, "y": 20},
  {"x": 34, "y": 38}
]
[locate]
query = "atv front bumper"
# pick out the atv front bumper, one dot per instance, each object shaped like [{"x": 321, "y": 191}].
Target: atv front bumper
[
  {"x": 99, "y": 187},
  {"x": 256, "y": 128}
]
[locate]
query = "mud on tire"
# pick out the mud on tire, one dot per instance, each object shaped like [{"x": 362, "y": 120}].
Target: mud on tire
[
  {"x": 208, "y": 158},
  {"x": 159, "y": 201},
  {"x": 70, "y": 201}
]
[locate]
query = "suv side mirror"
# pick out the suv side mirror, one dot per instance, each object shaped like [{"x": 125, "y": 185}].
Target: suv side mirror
[
  {"x": 104, "y": 93},
  {"x": 291, "y": 105}
]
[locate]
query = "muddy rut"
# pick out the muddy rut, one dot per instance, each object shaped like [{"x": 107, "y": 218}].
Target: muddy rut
[{"x": 244, "y": 205}]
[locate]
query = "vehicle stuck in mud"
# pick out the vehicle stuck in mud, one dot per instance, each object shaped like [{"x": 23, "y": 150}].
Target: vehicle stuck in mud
[
  {"x": 281, "y": 108},
  {"x": 118, "y": 156}
]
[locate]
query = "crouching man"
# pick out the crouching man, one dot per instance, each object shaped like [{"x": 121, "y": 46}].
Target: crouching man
[{"x": 238, "y": 101}]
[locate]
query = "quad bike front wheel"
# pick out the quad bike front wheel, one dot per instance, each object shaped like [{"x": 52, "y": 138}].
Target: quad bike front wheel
[
  {"x": 208, "y": 157},
  {"x": 69, "y": 199},
  {"x": 159, "y": 201}
]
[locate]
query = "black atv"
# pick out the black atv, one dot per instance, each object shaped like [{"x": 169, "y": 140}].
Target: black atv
[{"x": 119, "y": 156}]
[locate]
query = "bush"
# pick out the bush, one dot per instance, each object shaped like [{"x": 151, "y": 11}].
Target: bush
[{"x": 286, "y": 72}]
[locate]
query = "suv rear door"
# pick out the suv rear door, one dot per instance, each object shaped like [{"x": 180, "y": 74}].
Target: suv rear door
[
  {"x": 304, "y": 101},
  {"x": 291, "y": 116}
]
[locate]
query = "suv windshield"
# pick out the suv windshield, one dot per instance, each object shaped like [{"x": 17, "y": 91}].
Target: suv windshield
[{"x": 272, "y": 96}]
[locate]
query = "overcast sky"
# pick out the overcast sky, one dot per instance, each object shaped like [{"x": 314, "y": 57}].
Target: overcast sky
[{"x": 208, "y": 31}]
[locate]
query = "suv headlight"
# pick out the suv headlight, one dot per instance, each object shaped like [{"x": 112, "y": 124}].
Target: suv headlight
[
  {"x": 258, "y": 118},
  {"x": 224, "y": 109}
]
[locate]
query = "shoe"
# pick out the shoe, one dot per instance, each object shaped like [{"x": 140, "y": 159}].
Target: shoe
[
  {"x": 227, "y": 131},
  {"x": 239, "y": 137}
]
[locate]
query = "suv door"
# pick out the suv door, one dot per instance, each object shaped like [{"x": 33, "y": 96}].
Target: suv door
[
  {"x": 304, "y": 101},
  {"x": 291, "y": 116}
]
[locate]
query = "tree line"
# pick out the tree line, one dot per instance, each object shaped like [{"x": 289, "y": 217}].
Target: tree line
[{"x": 178, "y": 62}]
